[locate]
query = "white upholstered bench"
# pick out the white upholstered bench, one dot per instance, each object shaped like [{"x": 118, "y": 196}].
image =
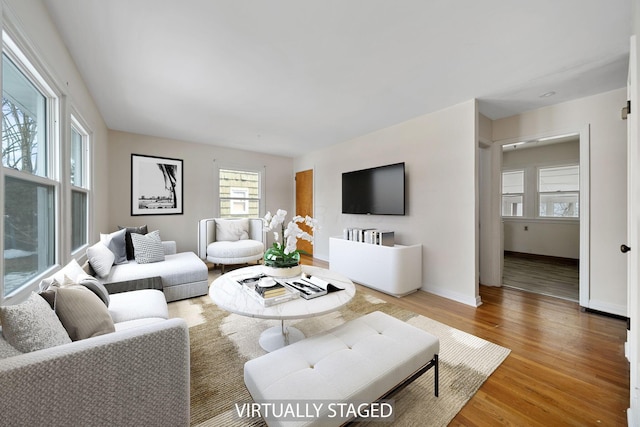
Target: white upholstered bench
[{"x": 363, "y": 360}]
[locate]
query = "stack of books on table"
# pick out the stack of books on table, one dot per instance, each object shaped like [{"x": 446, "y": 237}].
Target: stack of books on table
[{"x": 267, "y": 291}]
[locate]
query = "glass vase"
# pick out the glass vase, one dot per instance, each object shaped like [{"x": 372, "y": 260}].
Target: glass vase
[{"x": 276, "y": 265}]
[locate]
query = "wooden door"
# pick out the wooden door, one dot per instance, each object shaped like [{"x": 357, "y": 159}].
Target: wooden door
[
  {"x": 633, "y": 236},
  {"x": 304, "y": 204}
]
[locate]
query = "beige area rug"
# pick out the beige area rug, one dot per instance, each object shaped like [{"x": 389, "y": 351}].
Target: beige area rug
[{"x": 222, "y": 342}]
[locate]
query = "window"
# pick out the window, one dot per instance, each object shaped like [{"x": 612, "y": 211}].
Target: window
[
  {"x": 512, "y": 193},
  {"x": 30, "y": 188},
  {"x": 240, "y": 193},
  {"x": 79, "y": 186},
  {"x": 239, "y": 203},
  {"x": 559, "y": 191}
]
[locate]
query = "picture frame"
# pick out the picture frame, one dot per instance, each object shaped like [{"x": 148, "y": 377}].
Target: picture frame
[{"x": 156, "y": 185}]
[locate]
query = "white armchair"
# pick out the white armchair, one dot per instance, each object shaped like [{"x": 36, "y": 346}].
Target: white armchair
[{"x": 227, "y": 241}]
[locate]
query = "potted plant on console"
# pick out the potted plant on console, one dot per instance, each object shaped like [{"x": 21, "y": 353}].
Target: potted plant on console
[{"x": 282, "y": 259}]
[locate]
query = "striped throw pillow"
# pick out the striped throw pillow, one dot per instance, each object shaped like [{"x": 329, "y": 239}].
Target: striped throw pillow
[{"x": 147, "y": 247}]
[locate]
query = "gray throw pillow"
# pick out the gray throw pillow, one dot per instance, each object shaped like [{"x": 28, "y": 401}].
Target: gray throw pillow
[
  {"x": 32, "y": 325},
  {"x": 116, "y": 242},
  {"x": 94, "y": 286},
  {"x": 148, "y": 248},
  {"x": 127, "y": 238}
]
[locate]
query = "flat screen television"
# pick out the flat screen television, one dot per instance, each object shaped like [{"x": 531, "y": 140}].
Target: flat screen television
[{"x": 374, "y": 191}]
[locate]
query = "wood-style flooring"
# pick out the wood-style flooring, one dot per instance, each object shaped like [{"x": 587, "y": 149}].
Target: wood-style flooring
[
  {"x": 558, "y": 277},
  {"x": 566, "y": 367}
]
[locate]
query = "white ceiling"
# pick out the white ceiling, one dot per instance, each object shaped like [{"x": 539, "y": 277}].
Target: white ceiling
[{"x": 292, "y": 76}]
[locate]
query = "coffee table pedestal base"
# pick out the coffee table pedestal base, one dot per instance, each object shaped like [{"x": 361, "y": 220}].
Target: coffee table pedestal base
[{"x": 279, "y": 336}]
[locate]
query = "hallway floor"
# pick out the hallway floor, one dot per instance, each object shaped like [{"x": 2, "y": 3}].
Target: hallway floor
[{"x": 557, "y": 277}]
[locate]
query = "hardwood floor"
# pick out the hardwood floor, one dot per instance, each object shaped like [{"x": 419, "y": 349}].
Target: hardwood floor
[
  {"x": 566, "y": 367},
  {"x": 558, "y": 277}
]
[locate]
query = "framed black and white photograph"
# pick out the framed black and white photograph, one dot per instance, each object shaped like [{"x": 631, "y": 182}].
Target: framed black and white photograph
[{"x": 156, "y": 185}]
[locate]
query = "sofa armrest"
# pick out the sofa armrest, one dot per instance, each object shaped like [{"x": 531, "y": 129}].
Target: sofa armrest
[
  {"x": 170, "y": 247},
  {"x": 255, "y": 229},
  {"x": 206, "y": 235},
  {"x": 138, "y": 376}
]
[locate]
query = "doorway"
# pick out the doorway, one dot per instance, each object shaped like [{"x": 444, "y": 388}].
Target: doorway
[
  {"x": 304, "y": 205},
  {"x": 540, "y": 213}
]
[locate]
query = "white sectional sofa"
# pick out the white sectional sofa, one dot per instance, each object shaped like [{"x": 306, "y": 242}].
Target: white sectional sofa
[
  {"x": 181, "y": 275},
  {"x": 136, "y": 375},
  {"x": 153, "y": 264}
]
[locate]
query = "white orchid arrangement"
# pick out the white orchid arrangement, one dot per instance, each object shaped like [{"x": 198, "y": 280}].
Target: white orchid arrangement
[{"x": 285, "y": 251}]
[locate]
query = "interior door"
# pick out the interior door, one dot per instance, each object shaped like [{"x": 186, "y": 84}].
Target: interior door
[
  {"x": 304, "y": 204},
  {"x": 632, "y": 247}
]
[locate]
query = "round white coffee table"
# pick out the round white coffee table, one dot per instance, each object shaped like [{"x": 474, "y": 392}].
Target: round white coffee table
[{"x": 228, "y": 294}]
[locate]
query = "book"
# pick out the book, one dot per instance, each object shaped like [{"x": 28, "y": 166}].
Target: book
[
  {"x": 312, "y": 287},
  {"x": 270, "y": 289},
  {"x": 266, "y": 290}
]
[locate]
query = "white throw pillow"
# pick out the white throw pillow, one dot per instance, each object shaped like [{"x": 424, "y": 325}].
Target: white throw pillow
[
  {"x": 147, "y": 247},
  {"x": 32, "y": 325},
  {"x": 71, "y": 270},
  {"x": 100, "y": 258},
  {"x": 231, "y": 230}
]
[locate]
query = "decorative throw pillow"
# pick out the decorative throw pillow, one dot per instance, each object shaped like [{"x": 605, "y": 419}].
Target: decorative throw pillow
[
  {"x": 100, "y": 258},
  {"x": 148, "y": 248},
  {"x": 117, "y": 244},
  {"x": 94, "y": 286},
  {"x": 231, "y": 230},
  {"x": 32, "y": 325},
  {"x": 82, "y": 313},
  {"x": 127, "y": 238},
  {"x": 72, "y": 270},
  {"x": 7, "y": 350}
]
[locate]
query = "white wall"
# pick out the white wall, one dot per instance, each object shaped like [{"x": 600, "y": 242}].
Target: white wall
[
  {"x": 608, "y": 203},
  {"x": 439, "y": 154},
  {"x": 31, "y": 20},
  {"x": 200, "y": 194},
  {"x": 551, "y": 237}
]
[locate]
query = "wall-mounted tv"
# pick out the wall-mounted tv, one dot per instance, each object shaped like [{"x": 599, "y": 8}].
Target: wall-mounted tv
[{"x": 374, "y": 191}]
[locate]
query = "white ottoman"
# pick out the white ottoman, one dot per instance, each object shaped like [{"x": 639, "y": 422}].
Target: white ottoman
[{"x": 360, "y": 361}]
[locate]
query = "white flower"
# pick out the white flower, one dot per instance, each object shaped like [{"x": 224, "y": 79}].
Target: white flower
[{"x": 291, "y": 233}]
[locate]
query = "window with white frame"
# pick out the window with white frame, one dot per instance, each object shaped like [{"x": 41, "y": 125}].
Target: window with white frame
[
  {"x": 79, "y": 185},
  {"x": 31, "y": 188},
  {"x": 559, "y": 191},
  {"x": 240, "y": 193},
  {"x": 513, "y": 193}
]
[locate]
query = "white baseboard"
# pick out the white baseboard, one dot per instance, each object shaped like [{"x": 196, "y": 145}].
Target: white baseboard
[
  {"x": 455, "y": 296},
  {"x": 619, "y": 310}
]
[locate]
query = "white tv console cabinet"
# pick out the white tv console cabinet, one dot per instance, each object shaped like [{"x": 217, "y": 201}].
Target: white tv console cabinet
[{"x": 395, "y": 270}]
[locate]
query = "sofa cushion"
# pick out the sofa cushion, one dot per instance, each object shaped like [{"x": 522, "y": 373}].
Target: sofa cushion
[
  {"x": 127, "y": 237},
  {"x": 148, "y": 248},
  {"x": 32, "y": 325},
  {"x": 136, "y": 323},
  {"x": 117, "y": 244},
  {"x": 231, "y": 230},
  {"x": 176, "y": 269},
  {"x": 101, "y": 258},
  {"x": 235, "y": 250},
  {"x": 82, "y": 313},
  {"x": 141, "y": 304}
]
